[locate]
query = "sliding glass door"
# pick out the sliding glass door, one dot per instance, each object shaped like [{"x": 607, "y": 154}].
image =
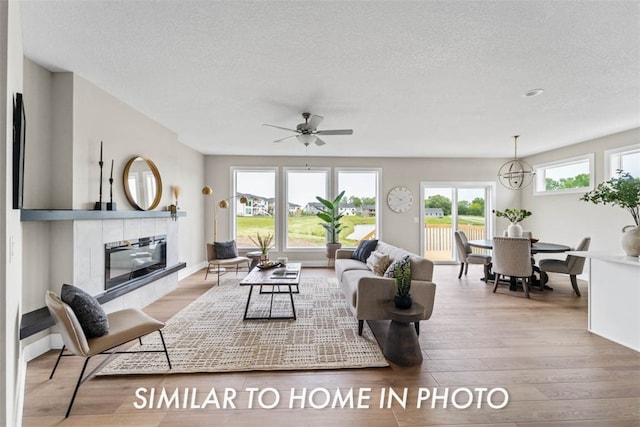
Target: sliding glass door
[{"x": 447, "y": 207}]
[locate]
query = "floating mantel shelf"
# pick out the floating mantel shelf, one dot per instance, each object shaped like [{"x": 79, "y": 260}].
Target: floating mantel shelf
[{"x": 77, "y": 214}]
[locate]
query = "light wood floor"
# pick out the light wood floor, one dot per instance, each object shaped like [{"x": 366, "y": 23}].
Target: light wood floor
[{"x": 555, "y": 371}]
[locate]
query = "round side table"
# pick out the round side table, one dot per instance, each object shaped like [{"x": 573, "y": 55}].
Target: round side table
[{"x": 402, "y": 346}]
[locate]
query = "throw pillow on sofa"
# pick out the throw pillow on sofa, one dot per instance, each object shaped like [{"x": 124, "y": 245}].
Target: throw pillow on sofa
[
  {"x": 378, "y": 262},
  {"x": 91, "y": 316},
  {"x": 364, "y": 249},
  {"x": 391, "y": 270}
]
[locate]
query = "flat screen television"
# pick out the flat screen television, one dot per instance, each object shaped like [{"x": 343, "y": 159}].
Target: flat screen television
[{"x": 19, "y": 136}]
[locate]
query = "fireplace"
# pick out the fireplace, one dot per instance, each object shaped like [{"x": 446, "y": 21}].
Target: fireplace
[{"x": 132, "y": 259}]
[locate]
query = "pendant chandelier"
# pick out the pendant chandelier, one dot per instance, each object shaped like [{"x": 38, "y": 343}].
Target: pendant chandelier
[{"x": 515, "y": 174}]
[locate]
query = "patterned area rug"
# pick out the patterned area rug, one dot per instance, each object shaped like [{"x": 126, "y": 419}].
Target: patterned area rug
[{"x": 209, "y": 334}]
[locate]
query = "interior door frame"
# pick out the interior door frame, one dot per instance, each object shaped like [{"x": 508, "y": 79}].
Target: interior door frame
[{"x": 490, "y": 195}]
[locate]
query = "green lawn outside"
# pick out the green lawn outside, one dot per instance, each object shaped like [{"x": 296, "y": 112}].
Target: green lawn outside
[
  {"x": 303, "y": 230},
  {"x": 306, "y": 231}
]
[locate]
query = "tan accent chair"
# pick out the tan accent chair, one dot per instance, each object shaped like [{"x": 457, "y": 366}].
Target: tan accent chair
[
  {"x": 512, "y": 257},
  {"x": 571, "y": 265},
  {"x": 124, "y": 326},
  {"x": 466, "y": 256},
  {"x": 219, "y": 264}
]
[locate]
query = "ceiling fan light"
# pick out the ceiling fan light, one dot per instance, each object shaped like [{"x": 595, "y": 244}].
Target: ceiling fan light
[{"x": 306, "y": 138}]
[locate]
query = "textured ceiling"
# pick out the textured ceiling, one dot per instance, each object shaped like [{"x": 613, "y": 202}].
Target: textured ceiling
[{"x": 411, "y": 78}]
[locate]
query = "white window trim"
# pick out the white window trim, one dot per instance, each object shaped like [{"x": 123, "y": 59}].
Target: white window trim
[
  {"x": 233, "y": 170},
  {"x": 609, "y": 168},
  {"x": 282, "y": 219},
  {"x": 378, "y": 172},
  {"x": 564, "y": 162}
]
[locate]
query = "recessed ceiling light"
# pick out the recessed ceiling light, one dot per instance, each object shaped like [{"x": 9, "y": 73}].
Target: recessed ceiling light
[{"x": 533, "y": 92}]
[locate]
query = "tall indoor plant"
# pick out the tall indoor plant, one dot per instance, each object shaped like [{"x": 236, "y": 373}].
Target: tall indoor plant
[
  {"x": 624, "y": 191},
  {"x": 330, "y": 215}
]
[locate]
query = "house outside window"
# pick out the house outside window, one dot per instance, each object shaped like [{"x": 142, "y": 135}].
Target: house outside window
[{"x": 258, "y": 214}]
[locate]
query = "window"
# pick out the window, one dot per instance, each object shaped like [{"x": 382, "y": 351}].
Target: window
[
  {"x": 625, "y": 158},
  {"x": 574, "y": 175},
  {"x": 454, "y": 206},
  {"x": 258, "y": 214},
  {"x": 303, "y": 229},
  {"x": 360, "y": 204}
]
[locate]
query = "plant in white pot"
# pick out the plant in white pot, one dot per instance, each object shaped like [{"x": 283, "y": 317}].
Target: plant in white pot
[
  {"x": 623, "y": 191},
  {"x": 514, "y": 216},
  {"x": 330, "y": 214}
]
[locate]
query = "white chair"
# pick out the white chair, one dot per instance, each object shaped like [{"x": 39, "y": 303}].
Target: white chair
[
  {"x": 124, "y": 326},
  {"x": 571, "y": 265},
  {"x": 467, "y": 257},
  {"x": 512, "y": 257}
]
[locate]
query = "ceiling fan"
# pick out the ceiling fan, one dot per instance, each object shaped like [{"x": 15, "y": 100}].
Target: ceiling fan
[{"x": 307, "y": 132}]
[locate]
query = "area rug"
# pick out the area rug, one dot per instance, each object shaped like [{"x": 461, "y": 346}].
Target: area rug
[{"x": 209, "y": 334}]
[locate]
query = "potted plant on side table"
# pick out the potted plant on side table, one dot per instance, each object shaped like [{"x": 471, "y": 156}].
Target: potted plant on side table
[
  {"x": 623, "y": 191},
  {"x": 329, "y": 213},
  {"x": 403, "y": 298}
]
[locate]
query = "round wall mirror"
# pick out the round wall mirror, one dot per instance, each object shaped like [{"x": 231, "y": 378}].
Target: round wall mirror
[{"x": 142, "y": 183}]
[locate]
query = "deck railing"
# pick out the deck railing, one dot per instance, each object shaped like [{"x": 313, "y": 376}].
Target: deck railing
[{"x": 439, "y": 239}]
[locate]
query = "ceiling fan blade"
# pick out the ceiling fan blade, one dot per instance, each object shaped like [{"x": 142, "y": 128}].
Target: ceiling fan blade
[
  {"x": 286, "y": 137},
  {"x": 314, "y": 121},
  {"x": 335, "y": 132},
  {"x": 319, "y": 142},
  {"x": 280, "y": 127}
]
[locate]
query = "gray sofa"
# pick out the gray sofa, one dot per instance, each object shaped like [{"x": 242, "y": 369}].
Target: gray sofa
[{"x": 366, "y": 291}]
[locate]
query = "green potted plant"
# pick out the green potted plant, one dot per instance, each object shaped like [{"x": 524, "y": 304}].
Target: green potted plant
[
  {"x": 623, "y": 191},
  {"x": 330, "y": 214},
  {"x": 403, "y": 299},
  {"x": 264, "y": 244},
  {"x": 514, "y": 216}
]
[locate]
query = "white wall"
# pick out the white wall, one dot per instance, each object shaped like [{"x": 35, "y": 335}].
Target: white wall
[
  {"x": 68, "y": 116},
  {"x": 566, "y": 219},
  {"x": 11, "y": 370},
  {"x": 398, "y": 229}
]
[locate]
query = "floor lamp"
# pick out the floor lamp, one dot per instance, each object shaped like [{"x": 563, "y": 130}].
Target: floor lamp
[{"x": 208, "y": 191}]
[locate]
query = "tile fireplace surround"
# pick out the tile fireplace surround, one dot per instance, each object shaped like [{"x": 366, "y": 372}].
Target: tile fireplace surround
[{"x": 84, "y": 264}]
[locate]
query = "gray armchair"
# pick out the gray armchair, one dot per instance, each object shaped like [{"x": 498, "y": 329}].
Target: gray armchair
[
  {"x": 466, "y": 256},
  {"x": 572, "y": 265},
  {"x": 512, "y": 257}
]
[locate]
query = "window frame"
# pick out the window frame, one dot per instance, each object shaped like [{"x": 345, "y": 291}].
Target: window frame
[
  {"x": 378, "y": 173},
  {"x": 233, "y": 226},
  {"x": 541, "y": 168},
  {"x": 614, "y": 156},
  {"x": 284, "y": 206}
]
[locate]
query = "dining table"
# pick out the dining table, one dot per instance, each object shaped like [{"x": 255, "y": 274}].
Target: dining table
[{"x": 537, "y": 247}]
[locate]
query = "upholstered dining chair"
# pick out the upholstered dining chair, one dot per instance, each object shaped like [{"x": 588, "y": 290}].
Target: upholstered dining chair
[
  {"x": 124, "y": 326},
  {"x": 512, "y": 257},
  {"x": 218, "y": 264},
  {"x": 571, "y": 265},
  {"x": 466, "y": 256}
]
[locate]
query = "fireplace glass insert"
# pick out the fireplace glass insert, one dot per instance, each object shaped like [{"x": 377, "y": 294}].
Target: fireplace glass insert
[{"x": 132, "y": 259}]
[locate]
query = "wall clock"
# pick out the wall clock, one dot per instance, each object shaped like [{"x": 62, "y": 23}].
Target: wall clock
[{"x": 400, "y": 199}]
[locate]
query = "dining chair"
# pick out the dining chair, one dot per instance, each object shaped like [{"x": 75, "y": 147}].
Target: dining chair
[
  {"x": 512, "y": 257},
  {"x": 466, "y": 256},
  {"x": 571, "y": 265},
  {"x": 124, "y": 326}
]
